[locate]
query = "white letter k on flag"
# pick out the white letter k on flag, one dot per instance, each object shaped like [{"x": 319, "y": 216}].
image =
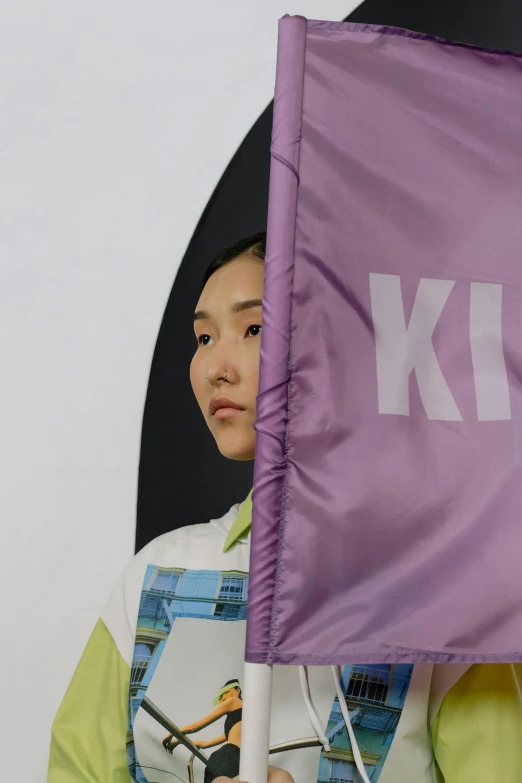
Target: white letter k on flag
[{"x": 401, "y": 349}]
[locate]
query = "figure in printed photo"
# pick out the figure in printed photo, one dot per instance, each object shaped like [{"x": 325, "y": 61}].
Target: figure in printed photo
[{"x": 224, "y": 761}]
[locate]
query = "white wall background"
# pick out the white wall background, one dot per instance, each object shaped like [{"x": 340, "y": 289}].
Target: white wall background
[{"x": 116, "y": 121}]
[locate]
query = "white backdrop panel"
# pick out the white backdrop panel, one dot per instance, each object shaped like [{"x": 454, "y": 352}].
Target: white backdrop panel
[{"x": 117, "y": 120}]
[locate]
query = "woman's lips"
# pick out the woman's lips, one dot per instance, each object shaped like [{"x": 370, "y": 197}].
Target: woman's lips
[
  {"x": 224, "y": 408},
  {"x": 227, "y": 413}
]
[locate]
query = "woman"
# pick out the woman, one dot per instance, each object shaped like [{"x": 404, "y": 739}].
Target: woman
[
  {"x": 180, "y": 599},
  {"x": 224, "y": 761}
]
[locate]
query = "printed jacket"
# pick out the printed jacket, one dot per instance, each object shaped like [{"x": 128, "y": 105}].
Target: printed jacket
[{"x": 172, "y": 636}]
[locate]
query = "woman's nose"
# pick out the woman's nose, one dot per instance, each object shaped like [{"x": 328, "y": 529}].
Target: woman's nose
[
  {"x": 221, "y": 367},
  {"x": 216, "y": 375}
]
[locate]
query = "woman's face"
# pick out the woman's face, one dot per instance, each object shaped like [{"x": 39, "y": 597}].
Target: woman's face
[
  {"x": 227, "y": 324},
  {"x": 233, "y": 693}
]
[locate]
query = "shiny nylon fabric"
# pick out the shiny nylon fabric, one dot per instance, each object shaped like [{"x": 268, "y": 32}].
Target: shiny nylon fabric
[{"x": 385, "y": 537}]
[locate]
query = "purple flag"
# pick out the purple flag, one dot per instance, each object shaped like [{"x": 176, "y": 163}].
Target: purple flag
[{"x": 388, "y": 481}]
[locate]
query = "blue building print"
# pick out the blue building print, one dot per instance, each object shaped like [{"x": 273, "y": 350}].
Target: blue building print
[
  {"x": 169, "y": 593},
  {"x": 375, "y": 696}
]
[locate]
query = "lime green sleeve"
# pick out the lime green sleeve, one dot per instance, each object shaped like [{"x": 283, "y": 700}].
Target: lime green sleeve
[
  {"x": 89, "y": 731},
  {"x": 477, "y": 733}
]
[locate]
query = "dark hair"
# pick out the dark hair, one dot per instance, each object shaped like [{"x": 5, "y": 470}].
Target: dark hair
[
  {"x": 253, "y": 245},
  {"x": 229, "y": 682}
]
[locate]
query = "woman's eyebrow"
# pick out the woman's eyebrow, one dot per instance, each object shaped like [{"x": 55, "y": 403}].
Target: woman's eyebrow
[{"x": 240, "y": 307}]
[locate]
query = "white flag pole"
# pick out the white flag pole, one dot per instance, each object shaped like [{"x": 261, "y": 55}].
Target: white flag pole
[
  {"x": 255, "y": 725},
  {"x": 284, "y": 181}
]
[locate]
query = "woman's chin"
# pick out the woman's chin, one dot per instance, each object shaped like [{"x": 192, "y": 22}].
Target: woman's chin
[{"x": 234, "y": 447}]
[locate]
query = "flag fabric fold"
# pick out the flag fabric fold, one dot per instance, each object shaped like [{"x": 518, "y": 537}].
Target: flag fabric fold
[{"x": 388, "y": 478}]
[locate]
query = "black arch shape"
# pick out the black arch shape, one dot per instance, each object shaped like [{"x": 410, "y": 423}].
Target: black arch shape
[{"x": 182, "y": 477}]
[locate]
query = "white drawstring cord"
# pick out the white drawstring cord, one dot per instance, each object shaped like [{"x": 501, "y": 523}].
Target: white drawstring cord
[
  {"x": 316, "y": 723},
  {"x": 346, "y": 715},
  {"x": 314, "y": 718}
]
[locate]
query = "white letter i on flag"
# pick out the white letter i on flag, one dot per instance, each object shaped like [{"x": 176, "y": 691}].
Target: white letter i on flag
[
  {"x": 487, "y": 352},
  {"x": 401, "y": 349}
]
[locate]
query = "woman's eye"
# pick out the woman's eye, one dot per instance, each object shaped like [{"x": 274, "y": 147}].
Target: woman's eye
[
  {"x": 204, "y": 339},
  {"x": 254, "y": 330}
]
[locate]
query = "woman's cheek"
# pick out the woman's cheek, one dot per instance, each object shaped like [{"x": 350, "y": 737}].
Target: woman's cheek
[
  {"x": 255, "y": 369},
  {"x": 197, "y": 378}
]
